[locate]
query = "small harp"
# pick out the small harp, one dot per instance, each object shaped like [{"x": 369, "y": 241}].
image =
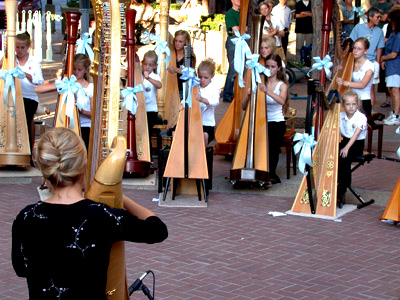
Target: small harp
[
  {"x": 188, "y": 143},
  {"x": 139, "y": 156},
  {"x": 14, "y": 137},
  {"x": 250, "y": 162},
  {"x": 60, "y": 117},
  {"x": 227, "y": 131}
]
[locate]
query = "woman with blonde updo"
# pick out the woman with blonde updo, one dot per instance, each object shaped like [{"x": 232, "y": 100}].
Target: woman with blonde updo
[{"x": 62, "y": 245}]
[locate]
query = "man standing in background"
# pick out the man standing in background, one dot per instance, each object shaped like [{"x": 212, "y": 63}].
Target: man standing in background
[
  {"x": 281, "y": 13},
  {"x": 304, "y": 25}
]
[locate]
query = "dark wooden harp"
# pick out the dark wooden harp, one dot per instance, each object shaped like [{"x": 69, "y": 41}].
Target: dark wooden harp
[
  {"x": 60, "y": 118},
  {"x": 14, "y": 137},
  {"x": 250, "y": 162},
  {"x": 139, "y": 157},
  {"x": 227, "y": 131},
  {"x": 326, "y": 153},
  {"x": 188, "y": 143}
]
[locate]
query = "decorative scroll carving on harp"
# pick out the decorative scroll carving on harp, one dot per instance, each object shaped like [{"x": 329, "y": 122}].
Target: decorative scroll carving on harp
[
  {"x": 14, "y": 137},
  {"x": 107, "y": 188},
  {"x": 60, "y": 118},
  {"x": 188, "y": 143},
  {"x": 250, "y": 162},
  {"x": 138, "y": 161},
  {"x": 106, "y": 78},
  {"x": 227, "y": 131}
]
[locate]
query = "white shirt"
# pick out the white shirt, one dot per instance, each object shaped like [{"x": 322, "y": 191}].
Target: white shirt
[
  {"x": 84, "y": 120},
  {"x": 211, "y": 92},
  {"x": 365, "y": 93},
  {"x": 274, "y": 109},
  {"x": 32, "y": 67},
  {"x": 282, "y": 15},
  {"x": 348, "y": 126},
  {"x": 275, "y": 24},
  {"x": 151, "y": 95}
]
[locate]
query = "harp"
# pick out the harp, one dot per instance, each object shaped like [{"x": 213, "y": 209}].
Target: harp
[
  {"x": 60, "y": 117},
  {"x": 139, "y": 157},
  {"x": 392, "y": 210},
  {"x": 188, "y": 143},
  {"x": 227, "y": 132},
  {"x": 14, "y": 137},
  {"x": 317, "y": 193},
  {"x": 250, "y": 162}
]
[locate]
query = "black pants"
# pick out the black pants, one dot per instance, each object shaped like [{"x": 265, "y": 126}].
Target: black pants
[
  {"x": 85, "y": 132},
  {"x": 285, "y": 41},
  {"x": 344, "y": 168},
  {"x": 30, "y": 110},
  {"x": 276, "y": 131},
  {"x": 366, "y": 107}
]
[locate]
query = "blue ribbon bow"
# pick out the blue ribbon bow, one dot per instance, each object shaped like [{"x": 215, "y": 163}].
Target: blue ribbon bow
[
  {"x": 83, "y": 45},
  {"x": 256, "y": 69},
  {"x": 360, "y": 11},
  {"x": 242, "y": 50},
  {"x": 161, "y": 48},
  {"x": 68, "y": 87},
  {"x": 192, "y": 81},
  {"x": 398, "y": 150},
  {"x": 305, "y": 143},
  {"x": 8, "y": 77},
  {"x": 130, "y": 99},
  {"x": 319, "y": 64}
]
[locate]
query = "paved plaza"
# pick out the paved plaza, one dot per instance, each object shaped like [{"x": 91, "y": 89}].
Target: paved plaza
[{"x": 233, "y": 249}]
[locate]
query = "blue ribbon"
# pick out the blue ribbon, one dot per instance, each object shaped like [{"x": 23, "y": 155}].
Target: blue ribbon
[
  {"x": 83, "y": 45},
  {"x": 8, "y": 77},
  {"x": 305, "y": 143},
  {"x": 398, "y": 150},
  {"x": 161, "y": 48},
  {"x": 242, "y": 50},
  {"x": 130, "y": 99},
  {"x": 360, "y": 11},
  {"x": 192, "y": 81},
  {"x": 319, "y": 64},
  {"x": 68, "y": 88},
  {"x": 256, "y": 68}
]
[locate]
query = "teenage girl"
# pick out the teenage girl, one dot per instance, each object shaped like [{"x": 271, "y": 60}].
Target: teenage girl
[
  {"x": 268, "y": 46},
  {"x": 81, "y": 72},
  {"x": 353, "y": 128},
  {"x": 362, "y": 77},
  {"x": 34, "y": 77},
  {"x": 208, "y": 97}
]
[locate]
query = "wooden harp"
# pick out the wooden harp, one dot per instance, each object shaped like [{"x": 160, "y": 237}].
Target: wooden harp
[
  {"x": 60, "y": 117},
  {"x": 227, "y": 131},
  {"x": 14, "y": 137},
  {"x": 188, "y": 143},
  {"x": 139, "y": 157},
  {"x": 250, "y": 162}
]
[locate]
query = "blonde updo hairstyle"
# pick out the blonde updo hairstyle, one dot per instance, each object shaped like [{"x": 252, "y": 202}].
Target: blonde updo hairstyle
[
  {"x": 207, "y": 65},
  {"x": 60, "y": 154}
]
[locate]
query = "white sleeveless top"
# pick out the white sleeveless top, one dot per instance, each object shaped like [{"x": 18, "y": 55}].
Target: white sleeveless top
[{"x": 274, "y": 109}]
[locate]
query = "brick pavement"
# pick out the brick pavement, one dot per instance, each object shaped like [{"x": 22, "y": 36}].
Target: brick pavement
[{"x": 234, "y": 250}]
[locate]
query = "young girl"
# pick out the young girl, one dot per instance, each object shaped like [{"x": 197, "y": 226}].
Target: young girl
[
  {"x": 276, "y": 90},
  {"x": 268, "y": 46},
  {"x": 362, "y": 77},
  {"x": 34, "y": 77},
  {"x": 151, "y": 82},
  {"x": 81, "y": 72},
  {"x": 208, "y": 97},
  {"x": 353, "y": 128}
]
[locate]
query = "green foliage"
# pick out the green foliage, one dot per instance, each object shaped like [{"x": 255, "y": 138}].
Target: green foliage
[
  {"x": 172, "y": 6},
  {"x": 212, "y": 22},
  {"x": 73, "y": 3}
]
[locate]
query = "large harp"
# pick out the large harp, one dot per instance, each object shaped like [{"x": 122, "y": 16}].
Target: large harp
[
  {"x": 60, "y": 117},
  {"x": 227, "y": 131},
  {"x": 317, "y": 193},
  {"x": 188, "y": 143},
  {"x": 250, "y": 162},
  {"x": 14, "y": 137}
]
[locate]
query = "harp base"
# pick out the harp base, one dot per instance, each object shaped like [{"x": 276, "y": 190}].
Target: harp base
[
  {"x": 15, "y": 159},
  {"x": 247, "y": 174},
  {"x": 225, "y": 148},
  {"x": 137, "y": 168}
]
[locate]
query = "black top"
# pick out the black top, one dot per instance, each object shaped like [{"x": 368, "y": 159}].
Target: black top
[
  {"x": 303, "y": 25},
  {"x": 63, "y": 250}
]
